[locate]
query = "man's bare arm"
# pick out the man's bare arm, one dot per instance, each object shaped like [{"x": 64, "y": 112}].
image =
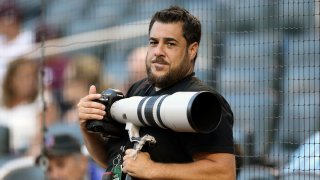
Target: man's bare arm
[{"x": 220, "y": 166}]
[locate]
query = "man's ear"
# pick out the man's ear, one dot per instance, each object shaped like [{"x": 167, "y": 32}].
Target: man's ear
[{"x": 193, "y": 50}]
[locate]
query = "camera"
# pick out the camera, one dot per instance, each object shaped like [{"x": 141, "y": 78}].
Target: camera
[
  {"x": 108, "y": 97},
  {"x": 181, "y": 112},
  {"x": 107, "y": 126}
]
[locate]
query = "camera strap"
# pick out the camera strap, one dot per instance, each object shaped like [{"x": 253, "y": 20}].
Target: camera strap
[
  {"x": 116, "y": 169},
  {"x": 116, "y": 172}
]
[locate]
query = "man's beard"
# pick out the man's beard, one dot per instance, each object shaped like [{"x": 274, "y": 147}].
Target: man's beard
[{"x": 172, "y": 76}]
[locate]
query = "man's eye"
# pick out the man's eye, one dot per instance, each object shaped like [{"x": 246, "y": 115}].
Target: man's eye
[
  {"x": 152, "y": 42},
  {"x": 170, "y": 44}
]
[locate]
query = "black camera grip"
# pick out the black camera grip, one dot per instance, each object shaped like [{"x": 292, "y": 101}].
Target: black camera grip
[
  {"x": 110, "y": 128},
  {"x": 95, "y": 126}
]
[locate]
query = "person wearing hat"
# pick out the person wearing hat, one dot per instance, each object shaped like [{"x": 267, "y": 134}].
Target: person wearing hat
[{"x": 66, "y": 160}]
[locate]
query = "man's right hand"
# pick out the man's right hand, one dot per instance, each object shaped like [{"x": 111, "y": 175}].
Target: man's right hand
[{"x": 88, "y": 109}]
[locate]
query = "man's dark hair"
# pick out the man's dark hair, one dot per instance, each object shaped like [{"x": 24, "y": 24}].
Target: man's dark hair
[{"x": 191, "y": 25}]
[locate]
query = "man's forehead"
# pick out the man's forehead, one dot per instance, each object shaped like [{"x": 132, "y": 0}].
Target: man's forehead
[
  {"x": 166, "y": 30},
  {"x": 166, "y": 39}
]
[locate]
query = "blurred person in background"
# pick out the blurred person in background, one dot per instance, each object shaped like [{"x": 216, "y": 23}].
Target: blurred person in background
[
  {"x": 54, "y": 65},
  {"x": 136, "y": 65},
  {"x": 67, "y": 160},
  {"x": 81, "y": 72},
  {"x": 21, "y": 106},
  {"x": 14, "y": 40}
]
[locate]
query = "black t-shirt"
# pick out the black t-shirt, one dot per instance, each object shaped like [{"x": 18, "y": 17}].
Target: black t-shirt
[{"x": 178, "y": 147}]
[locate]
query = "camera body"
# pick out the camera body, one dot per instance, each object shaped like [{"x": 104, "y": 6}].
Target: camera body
[
  {"x": 108, "y": 97},
  {"x": 107, "y": 126}
]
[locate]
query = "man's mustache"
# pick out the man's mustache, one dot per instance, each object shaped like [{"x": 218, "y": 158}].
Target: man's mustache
[{"x": 159, "y": 60}]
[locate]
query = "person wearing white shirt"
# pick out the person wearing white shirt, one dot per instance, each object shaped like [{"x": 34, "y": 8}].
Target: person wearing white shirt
[{"x": 14, "y": 40}]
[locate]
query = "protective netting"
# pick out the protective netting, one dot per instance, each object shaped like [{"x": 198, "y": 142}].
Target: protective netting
[{"x": 263, "y": 56}]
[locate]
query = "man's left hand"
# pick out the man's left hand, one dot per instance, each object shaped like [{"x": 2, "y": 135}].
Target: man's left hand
[{"x": 137, "y": 164}]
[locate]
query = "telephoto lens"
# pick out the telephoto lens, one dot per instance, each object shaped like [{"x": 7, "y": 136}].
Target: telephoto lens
[{"x": 181, "y": 111}]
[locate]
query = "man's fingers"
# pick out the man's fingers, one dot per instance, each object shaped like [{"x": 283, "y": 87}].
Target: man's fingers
[
  {"x": 90, "y": 97},
  {"x": 86, "y": 102},
  {"x": 131, "y": 152},
  {"x": 90, "y": 114},
  {"x": 91, "y": 110},
  {"x": 92, "y": 89},
  {"x": 88, "y": 117}
]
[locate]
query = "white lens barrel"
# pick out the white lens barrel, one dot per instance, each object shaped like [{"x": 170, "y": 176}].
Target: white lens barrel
[
  {"x": 181, "y": 111},
  {"x": 125, "y": 110},
  {"x": 174, "y": 111}
]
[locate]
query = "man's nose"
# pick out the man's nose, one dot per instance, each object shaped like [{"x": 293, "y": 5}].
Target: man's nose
[{"x": 159, "y": 50}]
